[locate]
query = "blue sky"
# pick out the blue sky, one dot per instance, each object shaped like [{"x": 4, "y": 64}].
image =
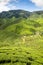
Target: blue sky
[{"x": 29, "y": 5}]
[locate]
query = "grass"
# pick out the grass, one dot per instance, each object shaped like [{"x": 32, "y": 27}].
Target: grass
[{"x": 28, "y": 52}]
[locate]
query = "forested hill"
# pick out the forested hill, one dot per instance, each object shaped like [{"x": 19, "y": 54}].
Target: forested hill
[
  {"x": 15, "y": 13},
  {"x": 20, "y": 13}
]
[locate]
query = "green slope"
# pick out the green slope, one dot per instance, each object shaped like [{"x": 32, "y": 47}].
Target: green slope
[
  {"x": 21, "y": 40},
  {"x": 15, "y": 27}
]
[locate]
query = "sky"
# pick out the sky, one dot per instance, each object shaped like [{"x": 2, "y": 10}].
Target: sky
[{"x": 29, "y": 5}]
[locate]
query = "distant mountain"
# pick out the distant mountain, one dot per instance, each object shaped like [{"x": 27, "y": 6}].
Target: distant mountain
[
  {"x": 20, "y": 13},
  {"x": 15, "y": 13},
  {"x": 38, "y": 12}
]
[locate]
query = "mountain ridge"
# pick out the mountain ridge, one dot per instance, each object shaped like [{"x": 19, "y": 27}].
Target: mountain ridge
[
  {"x": 16, "y": 13},
  {"x": 19, "y": 13}
]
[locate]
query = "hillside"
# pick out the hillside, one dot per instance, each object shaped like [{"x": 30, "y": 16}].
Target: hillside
[
  {"x": 30, "y": 23},
  {"x": 21, "y": 38},
  {"x": 20, "y": 13},
  {"x": 15, "y": 13}
]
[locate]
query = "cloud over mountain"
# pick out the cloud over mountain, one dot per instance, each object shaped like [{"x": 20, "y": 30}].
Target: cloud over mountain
[{"x": 38, "y": 3}]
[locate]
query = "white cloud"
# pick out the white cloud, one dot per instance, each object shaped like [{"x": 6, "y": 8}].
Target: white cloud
[
  {"x": 3, "y": 6},
  {"x": 38, "y": 3}
]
